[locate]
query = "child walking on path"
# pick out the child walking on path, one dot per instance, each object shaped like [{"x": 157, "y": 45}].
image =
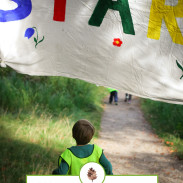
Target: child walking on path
[
  {"x": 72, "y": 159},
  {"x": 113, "y": 94},
  {"x": 128, "y": 98}
]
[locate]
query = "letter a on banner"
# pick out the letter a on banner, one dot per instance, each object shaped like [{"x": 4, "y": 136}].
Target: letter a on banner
[
  {"x": 160, "y": 11},
  {"x": 120, "y": 5}
]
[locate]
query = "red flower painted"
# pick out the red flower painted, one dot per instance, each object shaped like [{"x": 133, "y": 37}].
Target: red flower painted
[{"x": 117, "y": 42}]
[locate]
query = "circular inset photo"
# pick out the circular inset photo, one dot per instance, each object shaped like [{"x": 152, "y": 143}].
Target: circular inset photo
[{"x": 92, "y": 173}]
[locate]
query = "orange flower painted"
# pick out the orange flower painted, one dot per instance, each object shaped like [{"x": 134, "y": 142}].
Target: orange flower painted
[{"x": 117, "y": 42}]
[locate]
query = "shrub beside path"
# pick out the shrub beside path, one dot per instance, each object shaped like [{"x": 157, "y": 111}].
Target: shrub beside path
[{"x": 131, "y": 146}]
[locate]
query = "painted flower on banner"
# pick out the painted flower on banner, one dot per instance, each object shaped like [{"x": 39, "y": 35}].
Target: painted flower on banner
[
  {"x": 30, "y": 32},
  {"x": 117, "y": 42}
]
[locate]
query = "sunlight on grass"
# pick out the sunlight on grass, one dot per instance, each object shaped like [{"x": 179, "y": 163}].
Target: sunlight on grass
[
  {"x": 31, "y": 144},
  {"x": 41, "y": 130}
]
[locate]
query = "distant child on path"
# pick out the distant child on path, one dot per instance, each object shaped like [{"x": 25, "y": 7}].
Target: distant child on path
[
  {"x": 113, "y": 94},
  {"x": 73, "y": 158},
  {"x": 128, "y": 98}
]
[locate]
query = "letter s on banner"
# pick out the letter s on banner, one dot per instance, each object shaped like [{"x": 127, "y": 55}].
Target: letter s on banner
[{"x": 22, "y": 11}]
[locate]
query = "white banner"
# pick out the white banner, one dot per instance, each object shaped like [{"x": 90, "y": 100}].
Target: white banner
[{"x": 131, "y": 45}]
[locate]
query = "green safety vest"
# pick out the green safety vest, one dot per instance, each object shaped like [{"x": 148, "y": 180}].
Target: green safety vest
[
  {"x": 75, "y": 163},
  {"x": 112, "y": 89}
]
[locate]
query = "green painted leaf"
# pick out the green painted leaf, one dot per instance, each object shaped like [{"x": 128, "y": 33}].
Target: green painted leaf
[
  {"x": 179, "y": 65},
  {"x": 35, "y": 40},
  {"x": 41, "y": 40}
]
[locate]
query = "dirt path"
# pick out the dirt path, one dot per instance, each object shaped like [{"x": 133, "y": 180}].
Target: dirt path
[{"x": 132, "y": 147}]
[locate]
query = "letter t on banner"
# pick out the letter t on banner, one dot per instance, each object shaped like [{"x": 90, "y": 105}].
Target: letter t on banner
[
  {"x": 120, "y": 5},
  {"x": 59, "y": 10}
]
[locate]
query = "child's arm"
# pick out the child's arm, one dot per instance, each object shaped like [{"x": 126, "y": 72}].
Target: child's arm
[
  {"x": 62, "y": 169},
  {"x": 106, "y": 164}
]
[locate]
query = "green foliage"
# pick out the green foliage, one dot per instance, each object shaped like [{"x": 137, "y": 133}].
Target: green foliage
[
  {"x": 51, "y": 94},
  {"x": 167, "y": 120},
  {"x": 31, "y": 144}
]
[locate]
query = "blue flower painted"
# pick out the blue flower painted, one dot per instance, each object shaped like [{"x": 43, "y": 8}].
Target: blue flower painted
[{"x": 29, "y": 32}]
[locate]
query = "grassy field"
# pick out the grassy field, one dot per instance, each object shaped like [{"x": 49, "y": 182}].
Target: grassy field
[
  {"x": 167, "y": 121},
  {"x": 31, "y": 144},
  {"x": 36, "y": 119}
]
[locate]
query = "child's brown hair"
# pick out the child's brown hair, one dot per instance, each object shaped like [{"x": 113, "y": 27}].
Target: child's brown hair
[{"x": 83, "y": 131}]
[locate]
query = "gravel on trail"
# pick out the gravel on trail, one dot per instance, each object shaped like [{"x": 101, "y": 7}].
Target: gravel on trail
[{"x": 132, "y": 147}]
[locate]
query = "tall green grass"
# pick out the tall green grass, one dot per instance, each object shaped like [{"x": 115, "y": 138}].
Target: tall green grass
[
  {"x": 36, "y": 119},
  {"x": 51, "y": 94},
  {"x": 167, "y": 121}
]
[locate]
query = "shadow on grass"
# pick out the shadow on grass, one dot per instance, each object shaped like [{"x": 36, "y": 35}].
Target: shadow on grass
[{"x": 19, "y": 159}]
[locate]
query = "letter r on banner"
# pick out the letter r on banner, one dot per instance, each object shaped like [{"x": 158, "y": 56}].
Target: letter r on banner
[{"x": 160, "y": 11}]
